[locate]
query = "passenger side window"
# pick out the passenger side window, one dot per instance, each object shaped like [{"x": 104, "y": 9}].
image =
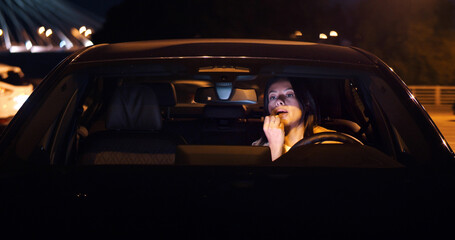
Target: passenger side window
[
  {"x": 407, "y": 131},
  {"x": 48, "y": 122}
]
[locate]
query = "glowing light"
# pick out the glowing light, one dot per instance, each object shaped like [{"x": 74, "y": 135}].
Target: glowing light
[
  {"x": 333, "y": 34},
  {"x": 15, "y": 49},
  {"x": 322, "y": 36},
  {"x": 28, "y": 45},
  {"x": 20, "y": 100},
  {"x": 444, "y": 143},
  {"x": 5, "y": 91},
  {"x": 62, "y": 44},
  {"x": 75, "y": 32},
  {"x": 20, "y": 21},
  {"x": 298, "y": 33},
  {"x": 82, "y": 29},
  {"x": 88, "y": 43},
  {"x": 48, "y": 32},
  {"x": 391, "y": 69},
  {"x": 41, "y": 30},
  {"x": 88, "y": 32}
]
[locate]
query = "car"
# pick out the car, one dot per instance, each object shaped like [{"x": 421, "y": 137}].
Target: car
[
  {"x": 160, "y": 138},
  {"x": 14, "y": 91}
]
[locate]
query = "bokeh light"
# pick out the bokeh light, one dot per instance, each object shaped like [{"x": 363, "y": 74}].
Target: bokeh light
[
  {"x": 28, "y": 45},
  {"x": 48, "y": 32},
  {"x": 41, "y": 30},
  {"x": 82, "y": 29}
]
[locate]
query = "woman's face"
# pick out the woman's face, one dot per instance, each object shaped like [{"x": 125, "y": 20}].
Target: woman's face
[{"x": 283, "y": 102}]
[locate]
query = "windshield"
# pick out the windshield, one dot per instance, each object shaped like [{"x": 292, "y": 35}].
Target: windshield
[{"x": 228, "y": 112}]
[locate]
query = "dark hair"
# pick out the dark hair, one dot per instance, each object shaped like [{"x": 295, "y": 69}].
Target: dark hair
[{"x": 310, "y": 114}]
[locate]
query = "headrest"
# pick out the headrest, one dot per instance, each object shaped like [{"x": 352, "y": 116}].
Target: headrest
[
  {"x": 134, "y": 107},
  {"x": 224, "y": 111}
]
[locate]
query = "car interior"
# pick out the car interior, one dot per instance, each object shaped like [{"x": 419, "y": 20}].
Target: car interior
[
  {"x": 210, "y": 116},
  {"x": 212, "y": 119}
]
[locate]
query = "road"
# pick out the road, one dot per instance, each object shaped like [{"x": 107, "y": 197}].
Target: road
[{"x": 445, "y": 121}]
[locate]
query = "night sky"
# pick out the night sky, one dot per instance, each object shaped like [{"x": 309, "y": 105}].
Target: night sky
[
  {"x": 101, "y": 7},
  {"x": 97, "y": 7},
  {"x": 415, "y": 37}
]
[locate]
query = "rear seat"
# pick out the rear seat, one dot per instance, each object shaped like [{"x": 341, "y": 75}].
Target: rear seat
[{"x": 133, "y": 134}]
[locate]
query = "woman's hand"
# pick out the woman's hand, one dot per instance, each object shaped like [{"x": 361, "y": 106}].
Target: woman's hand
[{"x": 274, "y": 131}]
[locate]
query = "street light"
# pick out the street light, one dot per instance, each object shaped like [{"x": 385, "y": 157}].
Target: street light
[
  {"x": 322, "y": 36},
  {"x": 88, "y": 43},
  {"x": 28, "y": 45},
  {"x": 41, "y": 30},
  {"x": 88, "y": 32},
  {"x": 48, "y": 32},
  {"x": 333, "y": 34},
  {"x": 82, "y": 29},
  {"x": 296, "y": 34}
]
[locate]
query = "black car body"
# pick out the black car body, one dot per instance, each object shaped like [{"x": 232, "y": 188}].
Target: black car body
[{"x": 77, "y": 157}]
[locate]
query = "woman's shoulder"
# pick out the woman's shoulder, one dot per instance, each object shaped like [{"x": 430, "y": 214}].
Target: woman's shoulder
[{"x": 319, "y": 129}]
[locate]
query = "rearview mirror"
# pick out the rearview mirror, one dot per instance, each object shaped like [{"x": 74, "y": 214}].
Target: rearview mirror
[{"x": 225, "y": 95}]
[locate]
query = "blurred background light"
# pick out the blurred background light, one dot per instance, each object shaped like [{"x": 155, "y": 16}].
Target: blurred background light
[
  {"x": 28, "y": 45},
  {"x": 82, "y": 29},
  {"x": 42, "y": 25},
  {"x": 48, "y": 32},
  {"x": 88, "y": 32},
  {"x": 88, "y": 43},
  {"x": 20, "y": 100},
  {"x": 41, "y": 30}
]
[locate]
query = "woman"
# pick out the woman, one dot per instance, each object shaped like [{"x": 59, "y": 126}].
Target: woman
[{"x": 291, "y": 116}]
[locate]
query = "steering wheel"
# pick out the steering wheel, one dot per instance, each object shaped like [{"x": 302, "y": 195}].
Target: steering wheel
[{"x": 327, "y": 136}]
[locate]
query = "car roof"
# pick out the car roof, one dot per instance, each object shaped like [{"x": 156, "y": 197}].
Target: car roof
[{"x": 205, "y": 48}]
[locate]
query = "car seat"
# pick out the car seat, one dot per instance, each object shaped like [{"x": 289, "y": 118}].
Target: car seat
[{"x": 133, "y": 134}]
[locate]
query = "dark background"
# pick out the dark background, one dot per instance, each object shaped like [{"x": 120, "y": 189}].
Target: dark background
[{"x": 415, "y": 37}]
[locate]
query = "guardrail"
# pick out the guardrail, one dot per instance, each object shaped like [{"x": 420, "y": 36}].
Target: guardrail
[{"x": 434, "y": 95}]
